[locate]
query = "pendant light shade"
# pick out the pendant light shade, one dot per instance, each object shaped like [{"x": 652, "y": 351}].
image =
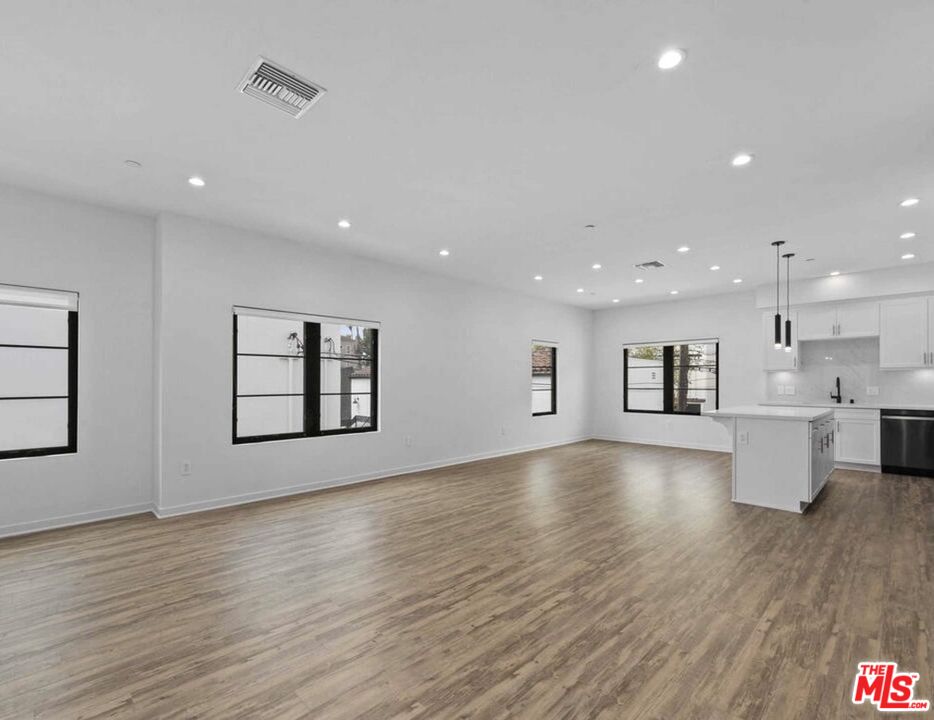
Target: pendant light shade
[
  {"x": 778, "y": 285},
  {"x": 788, "y": 257}
]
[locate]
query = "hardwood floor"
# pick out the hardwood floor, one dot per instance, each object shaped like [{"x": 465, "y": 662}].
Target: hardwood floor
[{"x": 596, "y": 580}]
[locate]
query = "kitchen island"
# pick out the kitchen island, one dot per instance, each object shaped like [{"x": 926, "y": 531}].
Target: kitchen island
[{"x": 782, "y": 456}]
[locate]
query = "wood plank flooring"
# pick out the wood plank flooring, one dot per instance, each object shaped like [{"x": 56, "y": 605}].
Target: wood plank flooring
[{"x": 595, "y": 580}]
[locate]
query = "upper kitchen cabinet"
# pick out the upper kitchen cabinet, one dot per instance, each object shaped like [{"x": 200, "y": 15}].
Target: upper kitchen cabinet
[
  {"x": 777, "y": 358},
  {"x": 906, "y": 331},
  {"x": 838, "y": 321}
]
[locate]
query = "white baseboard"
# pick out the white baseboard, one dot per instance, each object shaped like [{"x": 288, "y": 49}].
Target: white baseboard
[
  {"x": 665, "y": 443},
  {"x": 76, "y": 519},
  {"x": 231, "y": 500},
  {"x": 857, "y": 466}
]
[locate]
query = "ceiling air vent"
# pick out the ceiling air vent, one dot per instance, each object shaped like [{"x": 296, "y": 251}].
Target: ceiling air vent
[
  {"x": 651, "y": 264},
  {"x": 280, "y": 88}
]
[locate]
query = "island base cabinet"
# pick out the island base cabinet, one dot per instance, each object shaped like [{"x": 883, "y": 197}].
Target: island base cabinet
[{"x": 780, "y": 464}]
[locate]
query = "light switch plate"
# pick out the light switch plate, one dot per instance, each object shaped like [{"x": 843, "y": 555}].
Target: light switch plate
[
  {"x": 743, "y": 438},
  {"x": 789, "y": 389},
  {"x": 781, "y": 390},
  {"x": 872, "y": 390}
]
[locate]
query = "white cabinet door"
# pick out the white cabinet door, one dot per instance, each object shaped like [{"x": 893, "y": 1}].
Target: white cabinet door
[
  {"x": 903, "y": 333},
  {"x": 858, "y": 320},
  {"x": 817, "y": 323},
  {"x": 778, "y": 359},
  {"x": 857, "y": 441}
]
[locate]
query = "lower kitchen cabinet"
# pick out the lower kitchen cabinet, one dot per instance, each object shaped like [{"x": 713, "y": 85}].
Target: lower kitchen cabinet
[{"x": 857, "y": 436}]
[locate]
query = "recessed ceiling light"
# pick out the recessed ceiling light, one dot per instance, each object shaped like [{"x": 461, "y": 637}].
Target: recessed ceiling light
[
  {"x": 737, "y": 280},
  {"x": 909, "y": 202},
  {"x": 908, "y": 256},
  {"x": 670, "y": 59},
  {"x": 596, "y": 266},
  {"x": 444, "y": 253},
  {"x": 907, "y": 236},
  {"x": 741, "y": 159},
  {"x": 714, "y": 267},
  {"x": 133, "y": 163},
  {"x": 580, "y": 290},
  {"x": 196, "y": 181},
  {"x": 835, "y": 273},
  {"x": 640, "y": 280},
  {"x": 344, "y": 224},
  {"x": 615, "y": 300},
  {"x": 538, "y": 277},
  {"x": 672, "y": 292},
  {"x": 684, "y": 249}
]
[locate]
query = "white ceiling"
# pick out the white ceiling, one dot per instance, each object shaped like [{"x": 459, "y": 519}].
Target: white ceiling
[{"x": 499, "y": 130}]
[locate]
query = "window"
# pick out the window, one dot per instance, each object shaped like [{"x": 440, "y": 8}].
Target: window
[
  {"x": 38, "y": 372},
  {"x": 544, "y": 379},
  {"x": 675, "y": 378},
  {"x": 302, "y": 376}
]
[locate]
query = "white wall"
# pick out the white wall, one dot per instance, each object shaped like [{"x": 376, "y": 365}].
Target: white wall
[
  {"x": 106, "y": 256},
  {"x": 731, "y": 318},
  {"x": 454, "y": 368}
]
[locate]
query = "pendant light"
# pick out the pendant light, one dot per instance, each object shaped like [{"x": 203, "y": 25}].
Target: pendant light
[
  {"x": 778, "y": 288},
  {"x": 788, "y": 257}
]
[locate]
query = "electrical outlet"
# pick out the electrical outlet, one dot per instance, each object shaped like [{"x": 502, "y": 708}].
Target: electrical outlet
[
  {"x": 872, "y": 390},
  {"x": 186, "y": 467},
  {"x": 789, "y": 389},
  {"x": 407, "y": 440},
  {"x": 743, "y": 438},
  {"x": 502, "y": 430},
  {"x": 780, "y": 390}
]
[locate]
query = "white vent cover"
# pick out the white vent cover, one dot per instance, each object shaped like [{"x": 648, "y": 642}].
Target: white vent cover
[
  {"x": 281, "y": 88},
  {"x": 650, "y": 264}
]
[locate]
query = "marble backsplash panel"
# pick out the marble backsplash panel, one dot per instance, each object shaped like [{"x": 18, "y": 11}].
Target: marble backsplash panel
[{"x": 856, "y": 363}]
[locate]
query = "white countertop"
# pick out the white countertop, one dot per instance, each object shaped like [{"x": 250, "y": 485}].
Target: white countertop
[
  {"x": 767, "y": 412},
  {"x": 850, "y": 406}
]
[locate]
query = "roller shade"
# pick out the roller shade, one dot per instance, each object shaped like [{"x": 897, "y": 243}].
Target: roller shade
[
  {"x": 303, "y": 317},
  {"x": 38, "y": 297}
]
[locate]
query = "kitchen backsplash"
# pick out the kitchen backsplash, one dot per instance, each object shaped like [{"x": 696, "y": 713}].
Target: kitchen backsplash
[{"x": 856, "y": 363}]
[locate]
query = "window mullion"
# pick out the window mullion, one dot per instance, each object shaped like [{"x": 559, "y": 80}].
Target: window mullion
[
  {"x": 668, "y": 378},
  {"x": 312, "y": 418}
]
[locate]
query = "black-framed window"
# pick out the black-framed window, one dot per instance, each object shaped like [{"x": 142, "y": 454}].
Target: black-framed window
[
  {"x": 679, "y": 378},
  {"x": 299, "y": 378},
  {"x": 544, "y": 379},
  {"x": 38, "y": 372}
]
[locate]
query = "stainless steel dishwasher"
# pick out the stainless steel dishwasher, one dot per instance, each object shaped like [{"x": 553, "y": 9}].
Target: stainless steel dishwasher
[{"x": 908, "y": 442}]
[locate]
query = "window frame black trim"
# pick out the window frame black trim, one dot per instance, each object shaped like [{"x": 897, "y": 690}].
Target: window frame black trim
[
  {"x": 668, "y": 377},
  {"x": 71, "y": 446},
  {"x": 311, "y": 395},
  {"x": 554, "y": 380}
]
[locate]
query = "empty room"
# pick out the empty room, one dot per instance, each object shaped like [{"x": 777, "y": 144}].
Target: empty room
[{"x": 433, "y": 360}]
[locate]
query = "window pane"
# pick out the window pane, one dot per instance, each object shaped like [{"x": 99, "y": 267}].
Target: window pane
[
  {"x": 344, "y": 376},
  {"x": 646, "y": 400},
  {"x": 257, "y": 375},
  {"x": 347, "y": 382},
  {"x": 347, "y": 340},
  {"x": 543, "y": 378},
  {"x": 269, "y": 415},
  {"x": 345, "y": 411},
  {"x": 29, "y": 371},
  {"x": 269, "y": 336},
  {"x": 694, "y": 401},
  {"x": 695, "y": 354},
  {"x": 21, "y": 325},
  {"x": 30, "y": 424}
]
